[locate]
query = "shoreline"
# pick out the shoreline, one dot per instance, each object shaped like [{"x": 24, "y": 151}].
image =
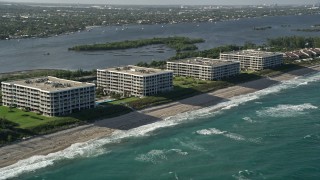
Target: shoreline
[
  {"x": 46, "y": 144},
  {"x": 20, "y": 72}
]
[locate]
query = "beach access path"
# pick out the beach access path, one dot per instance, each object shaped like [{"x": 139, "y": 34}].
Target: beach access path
[{"x": 43, "y": 145}]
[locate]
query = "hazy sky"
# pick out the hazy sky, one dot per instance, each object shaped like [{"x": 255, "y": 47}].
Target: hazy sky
[{"x": 167, "y": 2}]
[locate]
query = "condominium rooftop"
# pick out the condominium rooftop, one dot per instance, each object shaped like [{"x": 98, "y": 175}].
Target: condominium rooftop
[
  {"x": 204, "y": 61},
  {"x": 254, "y": 53},
  {"x": 136, "y": 70},
  {"x": 50, "y": 84}
]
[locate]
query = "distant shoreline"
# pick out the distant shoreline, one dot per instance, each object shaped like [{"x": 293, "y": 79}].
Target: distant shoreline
[
  {"x": 26, "y": 71},
  {"x": 43, "y": 145},
  {"x": 85, "y": 26}
]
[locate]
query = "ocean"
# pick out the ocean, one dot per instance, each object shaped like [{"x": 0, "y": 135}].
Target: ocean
[{"x": 269, "y": 134}]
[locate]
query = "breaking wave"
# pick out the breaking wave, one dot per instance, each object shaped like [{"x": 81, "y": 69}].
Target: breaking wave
[
  {"x": 214, "y": 131},
  {"x": 95, "y": 147},
  {"x": 234, "y": 136},
  {"x": 286, "y": 110},
  {"x": 158, "y": 156}
]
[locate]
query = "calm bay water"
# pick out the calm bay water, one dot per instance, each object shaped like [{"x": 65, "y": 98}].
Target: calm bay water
[
  {"x": 29, "y": 54},
  {"x": 269, "y": 134}
]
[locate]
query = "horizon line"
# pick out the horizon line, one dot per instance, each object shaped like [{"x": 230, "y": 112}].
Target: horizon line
[{"x": 64, "y": 3}]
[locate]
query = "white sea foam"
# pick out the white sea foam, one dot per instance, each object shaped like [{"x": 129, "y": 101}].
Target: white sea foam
[
  {"x": 157, "y": 156},
  {"x": 307, "y": 136},
  {"x": 192, "y": 145},
  {"x": 210, "y": 131},
  {"x": 257, "y": 140},
  {"x": 153, "y": 156},
  {"x": 312, "y": 136},
  {"x": 247, "y": 175},
  {"x": 285, "y": 110},
  {"x": 248, "y": 119},
  {"x": 94, "y": 147},
  {"x": 179, "y": 151},
  {"x": 234, "y": 136},
  {"x": 214, "y": 131}
]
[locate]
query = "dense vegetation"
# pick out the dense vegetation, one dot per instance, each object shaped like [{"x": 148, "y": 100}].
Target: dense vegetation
[
  {"x": 177, "y": 43},
  {"x": 211, "y": 53},
  {"x": 154, "y": 64},
  {"x": 292, "y": 43}
]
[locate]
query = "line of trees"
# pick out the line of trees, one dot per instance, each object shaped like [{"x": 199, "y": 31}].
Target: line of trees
[{"x": 153, "y": 64}]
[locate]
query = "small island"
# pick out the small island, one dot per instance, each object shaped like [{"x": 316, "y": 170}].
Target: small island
[
  {"x": 308, "y": 30},
  {"x": 262, "y": 28},
  {"x": 176, "y": 43}
]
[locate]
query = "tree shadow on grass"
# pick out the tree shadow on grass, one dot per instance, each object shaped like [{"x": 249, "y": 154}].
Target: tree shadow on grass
[
  {"x": 100, "y": 112},
  {"x": 34, "y": 117}
]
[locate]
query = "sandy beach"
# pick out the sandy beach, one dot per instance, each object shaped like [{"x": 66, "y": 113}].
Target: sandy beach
[{"x": 46, "y": 144}]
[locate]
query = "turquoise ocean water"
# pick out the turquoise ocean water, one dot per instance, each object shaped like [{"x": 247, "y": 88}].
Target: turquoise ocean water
[{"x": 270, "y": 134}]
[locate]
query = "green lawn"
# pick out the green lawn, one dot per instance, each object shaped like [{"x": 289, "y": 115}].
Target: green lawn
[
  {"x": 188, "y": 82},
  {"x": 24, "y": 119}
]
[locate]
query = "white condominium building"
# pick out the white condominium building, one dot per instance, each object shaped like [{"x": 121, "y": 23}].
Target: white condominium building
[
  {"x": 253, "y": 59},
  {"x": 204, "y": 68},
  {"x": 49, "y": 96},
  {"x": 134, "y": 81}
]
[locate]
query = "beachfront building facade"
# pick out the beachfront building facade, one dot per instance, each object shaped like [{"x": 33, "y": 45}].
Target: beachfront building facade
[
  {"x": 204, "y": 68},
  {"x": 254, "y": 59},
  {"x": 49, "y": 96},
  {"x": 134, "y": 81}
]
